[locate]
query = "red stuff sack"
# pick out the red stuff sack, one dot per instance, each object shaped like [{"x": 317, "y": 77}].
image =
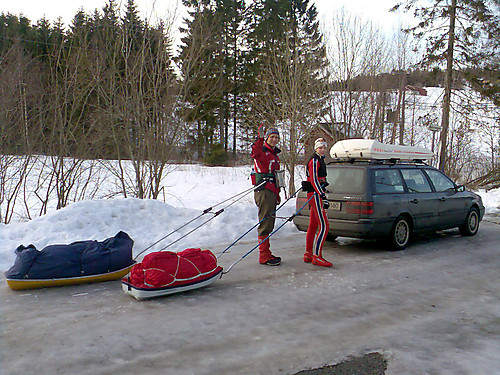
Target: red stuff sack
[{"x": 166, "y": 268}]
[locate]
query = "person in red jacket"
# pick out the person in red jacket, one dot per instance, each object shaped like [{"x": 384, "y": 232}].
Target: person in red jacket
[
  {"x": 267, "y": 197},
  {"x": 318, "y": 220}
]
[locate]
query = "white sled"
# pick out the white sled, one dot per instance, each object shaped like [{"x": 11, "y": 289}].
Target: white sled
[
  {"x": 371, "y": 149},
  {"x": 178, "y": 287}
]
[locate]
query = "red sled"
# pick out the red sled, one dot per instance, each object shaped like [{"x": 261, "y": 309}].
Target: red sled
[{"x": 165, "y": 272}]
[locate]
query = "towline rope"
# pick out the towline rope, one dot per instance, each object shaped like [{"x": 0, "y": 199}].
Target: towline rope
[
  {"x": 270, "y": 234},
  {"x": 248, "y": 231},
  {"x": 206, "y": 211}
]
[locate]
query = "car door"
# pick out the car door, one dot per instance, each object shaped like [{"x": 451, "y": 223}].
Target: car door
[
  {"x": 422, "y": 201},
  {"x": 388, "y": 191},
  {"x": 452, "y": 205}
]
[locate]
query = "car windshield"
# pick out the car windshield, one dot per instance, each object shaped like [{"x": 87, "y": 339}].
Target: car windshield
[{"x": 346, "y": 180}]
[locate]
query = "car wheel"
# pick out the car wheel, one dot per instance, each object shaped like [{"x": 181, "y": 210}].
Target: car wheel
[
  {"x": 400, "y": 233},
  {"x": 471, "y": 225}
]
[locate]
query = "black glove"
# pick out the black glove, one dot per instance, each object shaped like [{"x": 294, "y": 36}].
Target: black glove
[{"x": 325, "y": 201}]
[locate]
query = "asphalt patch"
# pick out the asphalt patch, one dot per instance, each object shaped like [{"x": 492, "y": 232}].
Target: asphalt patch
[{"x": 369, "y": 364}]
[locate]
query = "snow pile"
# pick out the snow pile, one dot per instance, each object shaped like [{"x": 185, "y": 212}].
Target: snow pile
[
  {"x": 189, "y": 191},
  {"x": 491, "y": 200}
]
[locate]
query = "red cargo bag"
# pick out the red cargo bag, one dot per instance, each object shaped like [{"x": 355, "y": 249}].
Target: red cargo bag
[{"x": 165, "y": 272}]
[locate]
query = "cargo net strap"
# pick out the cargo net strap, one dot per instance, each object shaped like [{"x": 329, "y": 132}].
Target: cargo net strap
[{"x": 169, "y": 269}]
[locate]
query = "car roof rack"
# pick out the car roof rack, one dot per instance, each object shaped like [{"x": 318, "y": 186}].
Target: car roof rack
[
  {"x": 391, "y": 161},
  {"x": 358, "y": 150}
]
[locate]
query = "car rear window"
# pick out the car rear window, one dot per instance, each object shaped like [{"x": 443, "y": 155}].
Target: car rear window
[{"x": 346, "y": 180}]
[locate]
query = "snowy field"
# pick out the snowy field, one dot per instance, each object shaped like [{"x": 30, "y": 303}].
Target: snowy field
[{"x": 190, "y": 190}]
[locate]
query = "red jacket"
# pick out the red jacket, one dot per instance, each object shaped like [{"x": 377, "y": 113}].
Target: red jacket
[{"x": 266, "y": 160}]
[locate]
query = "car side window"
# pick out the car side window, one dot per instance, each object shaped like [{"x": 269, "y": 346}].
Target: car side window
[
  {"x": 440, "y": 181},
  {"x": 415, "y": 180},
  {"x": 388, "y": 181}
]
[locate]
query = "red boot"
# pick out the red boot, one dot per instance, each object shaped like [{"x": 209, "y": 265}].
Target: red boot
[
  {"x": 308, "y": 257},
  {"x": 265, "y": 255},
  {"x": 320, "y": 261}
]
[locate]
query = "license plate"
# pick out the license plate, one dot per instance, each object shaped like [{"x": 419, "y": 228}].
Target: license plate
[{"x": 335, "y": 206}]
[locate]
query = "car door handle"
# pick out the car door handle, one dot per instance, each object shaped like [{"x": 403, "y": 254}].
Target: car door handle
[
  {"x": 414, "y": 201},
  {"x": 442, "y": 199}
]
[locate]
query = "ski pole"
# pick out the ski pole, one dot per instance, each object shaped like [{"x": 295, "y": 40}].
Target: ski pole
[
  {"x": 270, "y": 234},
  {"x": 248, "y": 231}
]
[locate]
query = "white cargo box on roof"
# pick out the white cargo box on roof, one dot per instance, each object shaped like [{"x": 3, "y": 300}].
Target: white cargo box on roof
[{"x": 371, "y": 149}]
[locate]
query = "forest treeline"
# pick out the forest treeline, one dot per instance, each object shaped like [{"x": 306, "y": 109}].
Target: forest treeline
[
  {"x": 113, "y": 86},
  {"x": 96, "y": 88}
]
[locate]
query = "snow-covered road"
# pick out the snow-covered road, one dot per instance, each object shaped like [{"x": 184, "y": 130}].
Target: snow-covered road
[{"x": 431, "y": 309}]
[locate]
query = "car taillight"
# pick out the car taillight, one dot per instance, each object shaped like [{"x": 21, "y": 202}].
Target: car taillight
[{"x": 365, "y": 208}]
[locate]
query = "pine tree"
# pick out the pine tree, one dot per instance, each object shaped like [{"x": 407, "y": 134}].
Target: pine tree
[
  {"x": 202, "y": 64},
  {"x": 133, "y": 27},
  {"x": 231, "y": 14}
]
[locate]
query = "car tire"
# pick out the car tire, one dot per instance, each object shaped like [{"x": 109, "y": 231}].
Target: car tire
[
  {"x": 400, "y": 233},
  {"x": 471, "y": 225}
]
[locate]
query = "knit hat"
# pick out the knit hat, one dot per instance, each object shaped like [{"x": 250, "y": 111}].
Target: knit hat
[
  {"x": 271, "y": 131},
  {"x": 319, "y": 143}
]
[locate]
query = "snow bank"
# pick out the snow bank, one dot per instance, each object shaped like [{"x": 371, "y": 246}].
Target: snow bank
[
  {"x": 189, "y": 190},
  {"x": 491, "y": 200}
]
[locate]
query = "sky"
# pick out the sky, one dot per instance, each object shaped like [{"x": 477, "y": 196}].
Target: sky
[{"x": 376, "y": 11}]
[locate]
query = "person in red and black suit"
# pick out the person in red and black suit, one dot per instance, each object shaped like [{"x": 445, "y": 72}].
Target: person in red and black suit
[
  {"x": 318, "y": 220},
  {"x": 267, "y": 197}
]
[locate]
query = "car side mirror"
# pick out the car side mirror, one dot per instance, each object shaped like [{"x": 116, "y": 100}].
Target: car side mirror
[{"x": 460, "y": 188}]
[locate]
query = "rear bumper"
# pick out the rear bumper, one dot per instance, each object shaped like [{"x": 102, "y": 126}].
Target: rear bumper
[{"x": 362, "y": 228}]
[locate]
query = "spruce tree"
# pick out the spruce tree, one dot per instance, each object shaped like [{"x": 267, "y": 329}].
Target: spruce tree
[{"x": 202, "y": 63}]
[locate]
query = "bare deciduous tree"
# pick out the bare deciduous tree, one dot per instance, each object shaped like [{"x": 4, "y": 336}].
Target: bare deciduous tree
[
  {"x": 291, "y": 91},
  {"x": 356, "y": 48}
]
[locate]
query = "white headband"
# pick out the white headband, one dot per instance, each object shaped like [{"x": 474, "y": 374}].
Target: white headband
[{"x": 320, "y": 142}]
